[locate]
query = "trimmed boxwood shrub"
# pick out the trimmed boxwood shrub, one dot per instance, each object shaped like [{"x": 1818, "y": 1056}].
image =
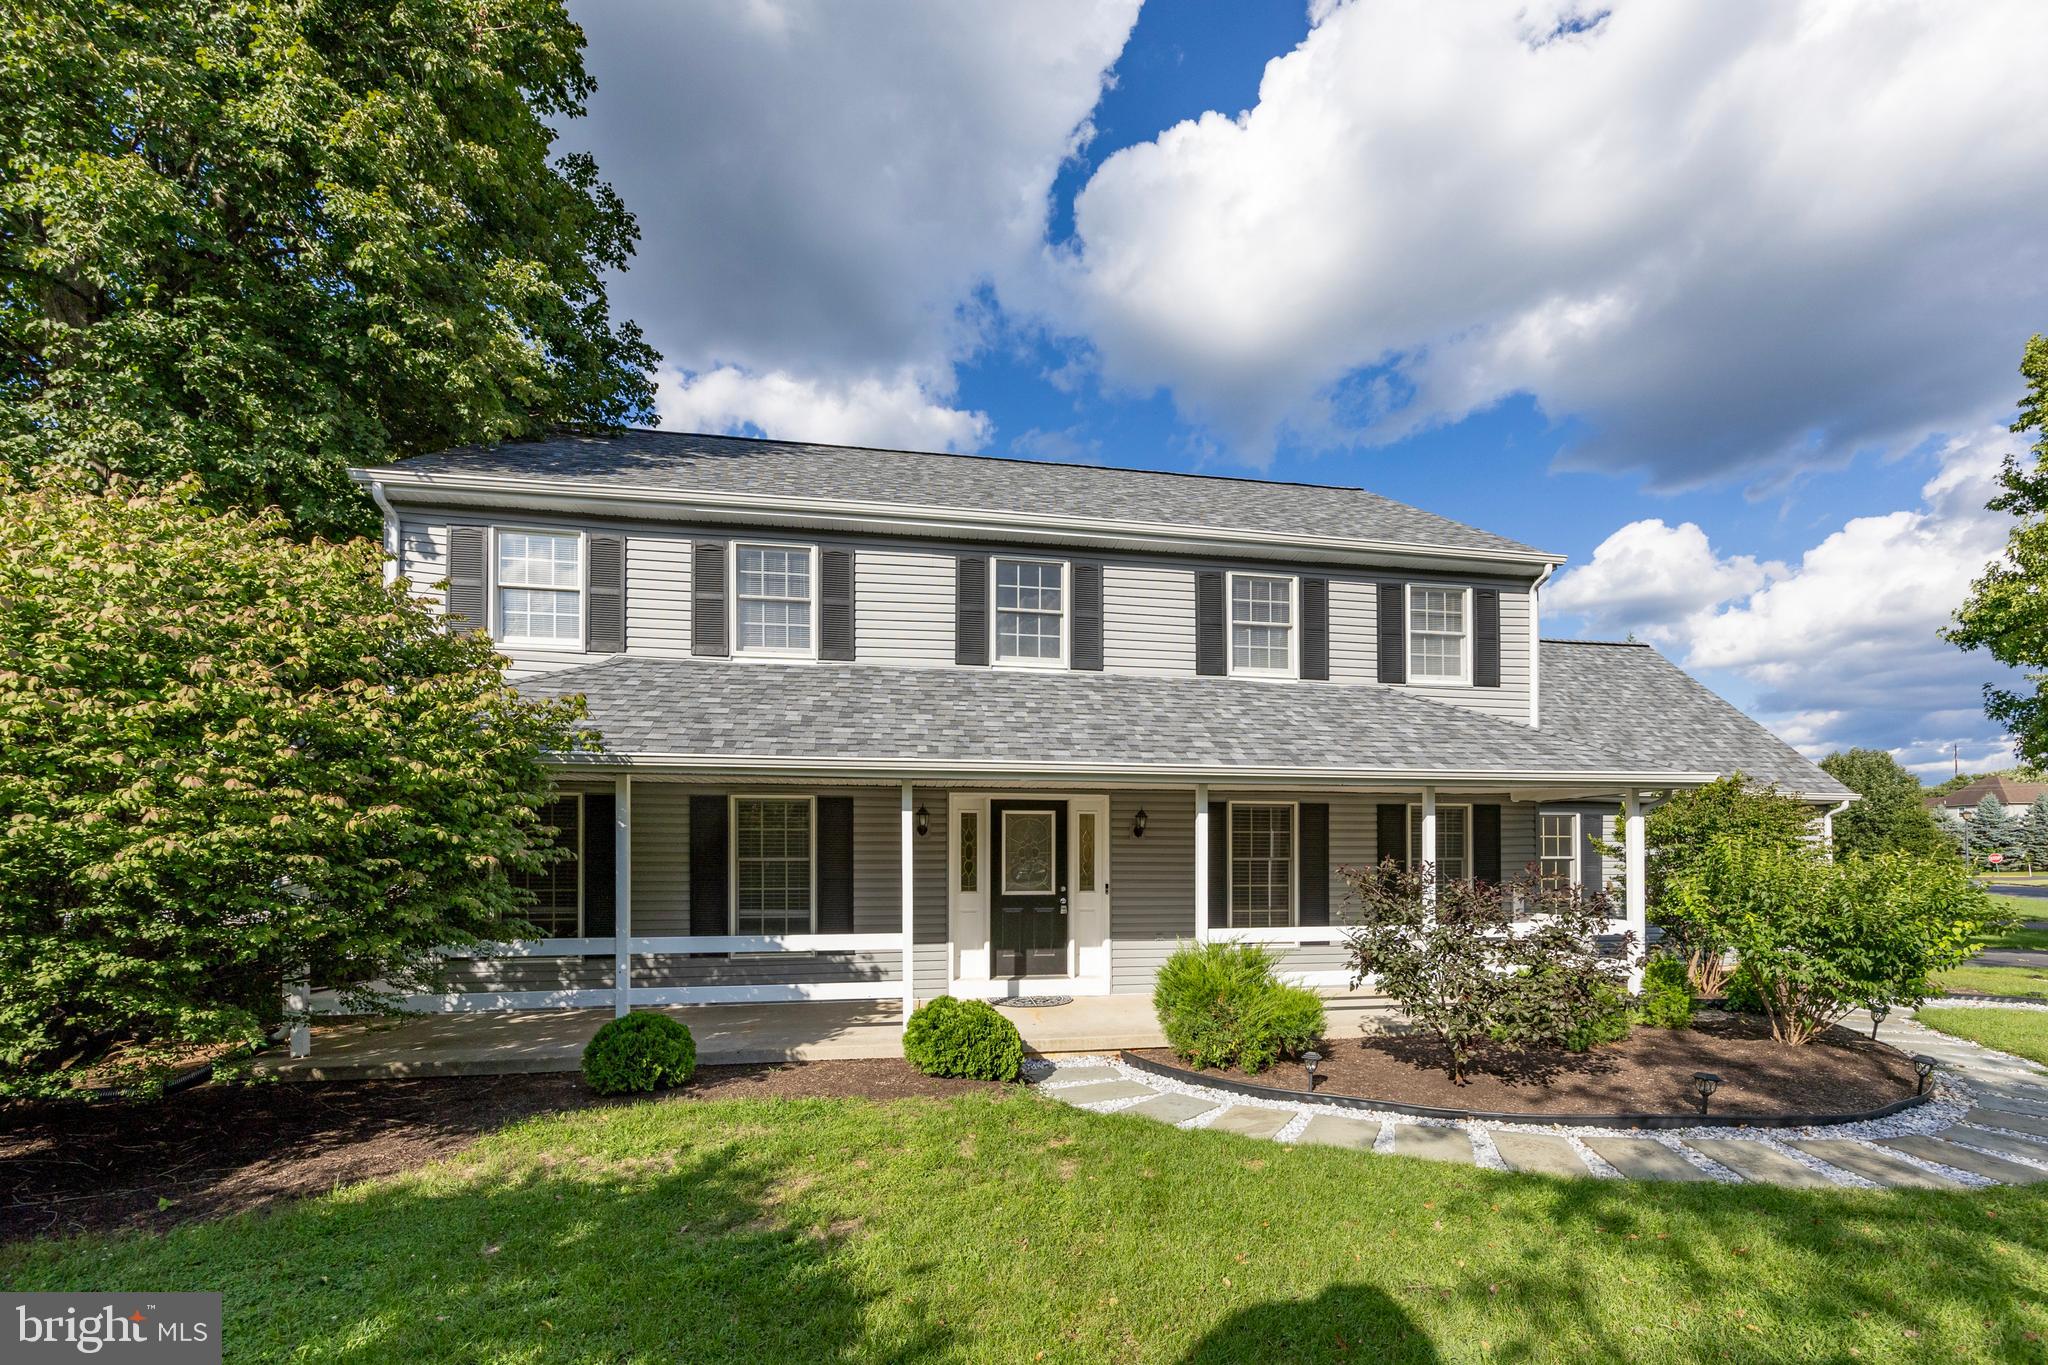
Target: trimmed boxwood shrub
[
  {"x": 953, "y": 1037},
  {"x": 639, "y": 1052},
  {"x": 1666, "y": 997},
  {"x": 1220, "y": 1004}
]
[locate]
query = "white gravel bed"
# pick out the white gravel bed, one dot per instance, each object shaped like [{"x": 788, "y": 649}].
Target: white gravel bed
[
  {"x": 1965, "y": 1003},
  {"x": 1483, "y": 1150}
]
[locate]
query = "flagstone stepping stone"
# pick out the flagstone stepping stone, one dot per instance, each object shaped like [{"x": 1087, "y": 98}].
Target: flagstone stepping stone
[
  {"x": 1076, "y": 1075},
  {"x": 1171, "y": 1107},
  {"x": 1644, "y": 1159},
  {"x": 1248, "y": 1121},
  {"x": 1963, "y": 1159},
  {"x": 2010, "y": 1101},
  {"x": 1330, "y": 1131},
  {"x": 1100, "y": 1092},
  {"x": 1874, "y": 1163},
  {"x": 1538, "y": 1153},
  {"x": 2019, "y": 1123},
  {"x": 2029, "y": 1149},
  {"x": 1433, "y": 1144},
  {"x": 1764, "y": 1165}
]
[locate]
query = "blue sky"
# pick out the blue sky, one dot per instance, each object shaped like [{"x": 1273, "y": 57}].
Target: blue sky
[{"x": 1624, "y": 282}]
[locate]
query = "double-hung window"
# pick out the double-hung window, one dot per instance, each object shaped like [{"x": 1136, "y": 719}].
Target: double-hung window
[
  {"x": 1031, "y": 612},
  {"x": 557, "y": 889},
  {"x": 772, "y": 858},
  {"x": 1262, "y": 640},
  {"x": 1453, "y": 841},
  {"x": 540, "y": 588},
  {"x": 775, "y": 600},
  {"x": 1439, "y": 634},
  {"x": 1557, "y": 848},
  {"x": 1261, "y": 864}
]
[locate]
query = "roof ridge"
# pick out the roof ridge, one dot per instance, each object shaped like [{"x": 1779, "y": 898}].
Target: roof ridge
[{"x": 1612, "y": 644}]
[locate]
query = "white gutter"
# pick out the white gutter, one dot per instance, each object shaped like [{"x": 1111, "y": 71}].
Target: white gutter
[{"x": 390, "y": 529}]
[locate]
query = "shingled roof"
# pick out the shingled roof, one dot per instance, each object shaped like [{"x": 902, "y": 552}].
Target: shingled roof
[{"x": 678, "y": 462}]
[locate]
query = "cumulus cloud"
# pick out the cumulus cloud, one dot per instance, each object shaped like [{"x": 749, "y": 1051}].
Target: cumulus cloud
[
  {"x": 1723, "y": 236},
  {"x": 898, "y": 410},
  {"x": 1652, "y": 579}
]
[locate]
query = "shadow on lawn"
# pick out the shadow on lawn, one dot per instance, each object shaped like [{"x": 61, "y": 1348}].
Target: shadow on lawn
[{"x": 1344, "y": 1322}]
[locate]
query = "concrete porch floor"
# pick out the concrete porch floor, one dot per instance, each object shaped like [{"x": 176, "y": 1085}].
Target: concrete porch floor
[{"x": 505, "y": 1042}]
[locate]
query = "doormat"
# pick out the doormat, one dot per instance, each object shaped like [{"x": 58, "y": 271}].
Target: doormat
[{"x": 1037, "y": 1002}]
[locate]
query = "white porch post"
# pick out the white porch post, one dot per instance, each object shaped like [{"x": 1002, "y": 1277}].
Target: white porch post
[
  {"x": 1636, "y": 892},
  {"x": 622, "y": 895},
  {"x": 1426, "y": 855},
  {"x": 909, "y": 904},
  {"x": 1202, "y": 864},
  {"x": 298, "y": 1003}
]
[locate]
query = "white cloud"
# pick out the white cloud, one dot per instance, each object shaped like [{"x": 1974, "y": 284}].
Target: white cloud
[
  {"x": 1652, "y": 578},
  {"x": 898, "y": 411},
  {"x": 1724, "y": 236}
]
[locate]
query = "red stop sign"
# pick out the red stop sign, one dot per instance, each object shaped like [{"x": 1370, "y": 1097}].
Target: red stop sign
[{"x": 1995, "y": 859}]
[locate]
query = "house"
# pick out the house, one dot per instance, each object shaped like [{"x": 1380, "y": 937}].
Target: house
[
  {"x": 2016, "y": 796},
  {"x": 885, "y": 725}
]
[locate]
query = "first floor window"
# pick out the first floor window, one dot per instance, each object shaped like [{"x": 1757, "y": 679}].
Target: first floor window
[
  {"x": 540, "y": 588},
  {"x": 1261, "y": 865},
  {"x": 1453, "y": 841},
  {"x": 557, "y": 889},
  {"x": 1557, "y": 848},
  {"x": 1031, "y": 596},
  {"x": 774, "y": 599},
  {"x": 1436, "y": 634},
  {"x": 1261, "y": 624},
  {"x": 772, "y": 865}
]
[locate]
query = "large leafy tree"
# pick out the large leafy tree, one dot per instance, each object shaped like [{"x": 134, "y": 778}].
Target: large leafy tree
[
  {"x": 226, "y": 754},
  {"x": 2007, "y": 610},
  {"x": 260, "y": 240},
  {"x": 1892, "y": 815}
]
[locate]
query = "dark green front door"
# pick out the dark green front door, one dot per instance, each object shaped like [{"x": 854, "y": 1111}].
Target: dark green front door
[{"x": 1029, "y": 855}]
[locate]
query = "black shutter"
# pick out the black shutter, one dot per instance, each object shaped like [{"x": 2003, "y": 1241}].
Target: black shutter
[
  {"x": 600, "y": 865},
  {"x": 1486, "y": 637},
  {"x": 835, "y": 864},
  {"x": 1314, "y": 895},
  {"x": 1393, "y": 834},
  {"x": 1212, "y": 652},
  {"x": 1086, "y": 646},
  {"x": 1393, "y": 632},
  {"x": 708, "y": 636},
  {"x": 709, "y": 913},
  {"x": 835, "y": 605},
  {"x": 970, "y": 609},
  {"x": 1219, "y": 864},
  {"x": 1591, "y": 878},
  {"x": 1486, "y": 843},
  {"x": 605, "y": 628},
  {"x": 1315, "y": 629},
  {"x": 465, "y": 606}
]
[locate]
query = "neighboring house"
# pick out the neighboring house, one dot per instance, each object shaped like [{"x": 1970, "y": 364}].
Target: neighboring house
[
  {"x": 2014, "y": 795},
  {"x": 888, "y": 725}
]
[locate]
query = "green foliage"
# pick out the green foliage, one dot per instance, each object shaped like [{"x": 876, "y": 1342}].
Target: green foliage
[
  {"x": 262, "y": 241},
  {"x": 1733, "y": 809},
  {"x": 1516, "y": 962},
  {"x": 1991, "y": 831},
  {"x": 953, "y": 1037},
  {"x": 639, "y": 1052},
  {"x": 1221, "y": 1004},
  {"x": 223, "y": 754},
  {"x": 1892, "y": 817},
  {"x": 1817, "y": 939},
  {"x": 2034, "y": 833},
  {"x": 1605, "y": 1019},
  {"x": 2006, "y": 613},
  {"x": 1665, "y": 1000},
  {"x": 1954, "y": 830}
]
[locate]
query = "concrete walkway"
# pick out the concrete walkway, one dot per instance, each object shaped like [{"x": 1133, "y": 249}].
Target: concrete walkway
[{"x": 1988, "y": 1125}]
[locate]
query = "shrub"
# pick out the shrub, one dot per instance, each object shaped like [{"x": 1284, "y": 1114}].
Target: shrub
[
  {"x": 952, "y": 1037},
  {"x": 1220, "y": 1004},
  {"x": 639, "y": 1052},
  {"x": 1666, "y": 998},
  {"x": 1606, "y": 1019}
]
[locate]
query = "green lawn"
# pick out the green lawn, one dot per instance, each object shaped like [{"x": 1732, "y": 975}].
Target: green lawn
[
  {"x": 1995, "y": 980},
  {"x": 1008, "y": 1228},
  {"x": 2017, "y": 937},
  {"x": 2024, "y": 1033}
]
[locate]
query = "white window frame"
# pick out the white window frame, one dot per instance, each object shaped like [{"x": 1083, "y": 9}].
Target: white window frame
[
  {"x": 1572, "y": 856},
  {"x": 582, "y": 844},
  {"x": 1230, "y": 624},
  {"x": 496, "y": 611},
  {"x": 1230, "y": 862},
  {"x": 732, "y": 609},
  {"x": 1066, "y": 569},
  {"x": 1464, "y": 678},
  {"x": 732, "y": 858},
  {"x": 1414, "y": 835}
]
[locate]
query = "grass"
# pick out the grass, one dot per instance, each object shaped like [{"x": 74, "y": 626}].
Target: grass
[
  {"x": 1004, "y": 1227},
  {"x": 2018, "y": 937},
  {"x": 2024, "y": 1033},
  {"x": 1995, "y": 980}
]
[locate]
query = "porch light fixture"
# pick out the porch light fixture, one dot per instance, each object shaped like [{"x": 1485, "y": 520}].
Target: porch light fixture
[
  {"x": 1705, "y": 1083},
  {"x": 1138, "y": 825},
  {"x": 1877, "y": 1014},
  {"x": 924, "y": 822},
  {"x": 1310, "y": 1060},
  {"x": 1923, "y": 1066}
]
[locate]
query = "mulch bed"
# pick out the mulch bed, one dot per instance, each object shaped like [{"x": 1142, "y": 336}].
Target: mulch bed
[
  {"x": 222, "y": 1149},
  {"x": 1650, "y": 1072}
]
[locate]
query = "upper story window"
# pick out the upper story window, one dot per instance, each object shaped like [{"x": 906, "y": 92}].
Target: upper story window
[
  {"x": 1557, "y": 848},
  {"x": 776, "y": 598},
  {"x": 772, "y": 852},
  {"x": 557, "y": 909},
  {"x": 1031, "y": 612},
  {"x": 540, "y": 588},
  {"x": 1261, "y": 864},
  {"x": 1262, "y": 635},
  {"x": 1453, "y": 841},
  {"x": 1439, "y": 635}
]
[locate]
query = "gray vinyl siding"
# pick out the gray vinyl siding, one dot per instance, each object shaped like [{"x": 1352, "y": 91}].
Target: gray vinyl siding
[
  {"x": 1354, "y": 616},
  {"x": 1517, "y": 837},
  {"x": 903, "y": 607},
  {"x": 658, "y": 594},
  {"x": 1152, "y": 884},
  {"x": 932, "y": 969},
  {"x": 423, "y": 557},
  {"x": 1148, "y": 619}
]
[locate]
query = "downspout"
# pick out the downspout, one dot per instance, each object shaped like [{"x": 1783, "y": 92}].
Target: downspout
[
  {"x": 1536, "y": 647},
  {"x": 390, "y": 532},
  {"x": 1827, "y": 825}
]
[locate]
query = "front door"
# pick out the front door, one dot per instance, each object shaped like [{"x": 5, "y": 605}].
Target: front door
[{"x": 1028, "y": 935}]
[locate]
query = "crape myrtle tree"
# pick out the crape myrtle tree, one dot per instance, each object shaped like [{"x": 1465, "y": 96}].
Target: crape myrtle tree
[
  {"x": 227, "y": 754},
  {"x": 1892, "y": 815},
  {"x": 262, "y": 241}
]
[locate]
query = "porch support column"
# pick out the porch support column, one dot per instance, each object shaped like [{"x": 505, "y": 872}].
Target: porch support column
[
  {"x": 298, "y": 1005},
  {"x": 1635, "y": 891},
  {"x": 909, "y": 904},
  {"x": 622, "y": 896},
  {"x": 1426, "y": 855},
  {"x": 1202, "y": 864}
]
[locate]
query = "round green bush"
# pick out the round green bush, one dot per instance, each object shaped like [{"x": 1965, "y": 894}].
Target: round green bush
[
  {"x": 1606, "y": 1020},
  {"x": 1666, "y": 998},
  {"x": 1221, "y": 1004},
  {"x": 953, "y": 1037},
  {"x": 639, "y": 1052}
]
